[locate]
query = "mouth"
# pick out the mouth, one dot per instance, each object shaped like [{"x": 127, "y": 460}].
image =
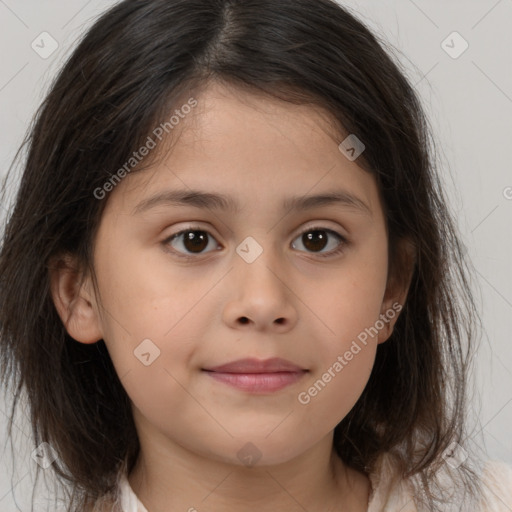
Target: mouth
[{"x": 256, "y": 376}]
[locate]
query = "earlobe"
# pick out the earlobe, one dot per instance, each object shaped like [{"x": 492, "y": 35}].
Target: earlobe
[
  {"x": 75, "y": 304},
  {"x": 389, "y": 316}
]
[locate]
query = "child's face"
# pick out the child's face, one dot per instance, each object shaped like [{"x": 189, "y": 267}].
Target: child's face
[{"x": 233, "y": 303}]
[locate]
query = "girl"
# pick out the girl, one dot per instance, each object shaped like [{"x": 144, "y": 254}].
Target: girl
[{"x": 230, "y": 280}]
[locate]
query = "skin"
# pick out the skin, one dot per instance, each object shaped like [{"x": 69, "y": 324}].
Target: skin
[{"x": 191, "y": 427}]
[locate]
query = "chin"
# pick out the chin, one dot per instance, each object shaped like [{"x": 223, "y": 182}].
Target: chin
[{"x": 253, "y": 451}]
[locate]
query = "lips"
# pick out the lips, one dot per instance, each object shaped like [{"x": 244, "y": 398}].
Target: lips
[
  {"x": 250, "y": 365},
  {"x": 257, "y": 376}
]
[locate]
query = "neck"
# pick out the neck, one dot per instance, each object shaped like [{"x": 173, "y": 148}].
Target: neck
[{"x": 182, "y": 480}]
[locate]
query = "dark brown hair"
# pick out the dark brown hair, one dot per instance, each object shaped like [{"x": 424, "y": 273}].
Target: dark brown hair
[{"x": 122, "y": 80}]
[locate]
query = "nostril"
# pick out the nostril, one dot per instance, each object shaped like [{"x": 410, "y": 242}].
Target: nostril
[{"x": 244, "y": 320}]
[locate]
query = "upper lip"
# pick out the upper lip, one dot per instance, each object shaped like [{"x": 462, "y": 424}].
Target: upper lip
[{"x": 251, "y": 365}]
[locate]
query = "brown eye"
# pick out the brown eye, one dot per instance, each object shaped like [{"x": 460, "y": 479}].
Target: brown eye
[
  {"x": 193, "y": 241},
  {"x": 316, "y": 239}
]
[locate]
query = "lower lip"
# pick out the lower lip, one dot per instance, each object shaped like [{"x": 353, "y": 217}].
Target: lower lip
[{"x": 258, "y": 382}]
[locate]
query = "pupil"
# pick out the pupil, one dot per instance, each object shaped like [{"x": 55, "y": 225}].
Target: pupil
[
  {"x": 193, "y": 241},
  {"x": 316, "y": 238}
]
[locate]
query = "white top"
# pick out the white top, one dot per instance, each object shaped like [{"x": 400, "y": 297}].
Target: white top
[{"x": 387, "y": 494}]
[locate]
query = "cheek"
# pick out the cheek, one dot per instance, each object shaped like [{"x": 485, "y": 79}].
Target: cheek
[
  {"x": 349, "y": 306},
  {"x": 349, "y": 302},
  {"x": 346, "y": 355},
  {"x": 328, "y": 397},
  {"x": 149, "y": 316}
]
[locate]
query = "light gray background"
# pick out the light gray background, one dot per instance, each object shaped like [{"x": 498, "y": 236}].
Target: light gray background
[{"x": 468, "y": 99}]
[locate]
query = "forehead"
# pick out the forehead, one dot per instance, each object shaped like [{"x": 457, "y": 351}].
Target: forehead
[
  {"x": 250, "y": 145},
  {"x": 223, "y": 110}
]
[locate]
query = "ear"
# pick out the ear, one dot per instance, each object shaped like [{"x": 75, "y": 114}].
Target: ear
[
  {"x": 75, "y": 302},
  {"x": 401, "y": 270}
]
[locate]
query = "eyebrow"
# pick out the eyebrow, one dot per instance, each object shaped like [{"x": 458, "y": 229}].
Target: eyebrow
[{"x": 207, "y": 200}]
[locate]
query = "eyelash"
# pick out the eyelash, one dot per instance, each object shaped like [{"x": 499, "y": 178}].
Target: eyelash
[{"x": 343, "y": 241}]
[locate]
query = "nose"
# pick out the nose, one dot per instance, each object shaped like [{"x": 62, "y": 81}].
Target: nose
[{"x": 261, "y": 297}]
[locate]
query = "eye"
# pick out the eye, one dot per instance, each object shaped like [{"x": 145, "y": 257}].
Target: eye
[
  {"x": 195, "y": 241},
  {"x": 317, "y": 238}
]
